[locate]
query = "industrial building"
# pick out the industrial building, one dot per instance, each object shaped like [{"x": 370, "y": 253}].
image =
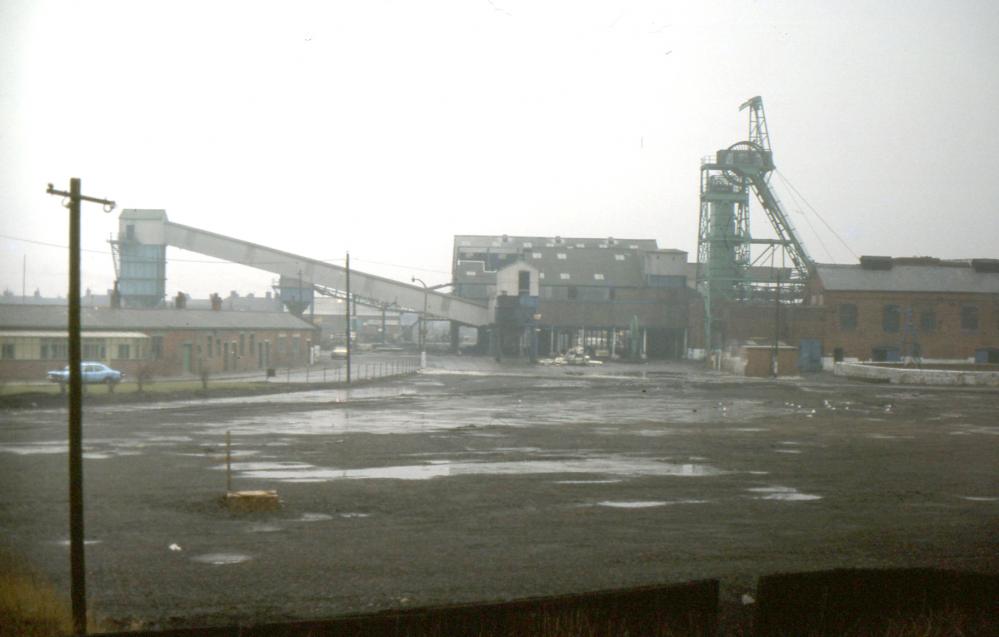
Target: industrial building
[
  {"x": 161, "y": 342},
  {"x": 918, "y": 309},
  {"x": 615, "y": 297}
]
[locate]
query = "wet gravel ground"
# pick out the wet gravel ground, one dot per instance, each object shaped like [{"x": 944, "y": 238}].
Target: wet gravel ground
[{"x": 478, "y": 481}]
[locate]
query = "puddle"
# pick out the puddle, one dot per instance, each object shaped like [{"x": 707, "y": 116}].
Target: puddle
[
  {"x": 263, "y": 528},
  {"x": 974, "y": 498},
  {"x": 41, "y": 448},
  {"x": 788, "y": 494},
  {"x": 791, "y": 451},
  {"x": 588, "y": 481},
  {"x": 85, "y": 542},
  {"x": 315, "y": 517},
  {"x": 355, "y": 515},
  {"x": 645, "y": 504},
  {"x": 615, "y": 465},
  {"x": 221, "y": 559},
  {"x": 986, "y": 431}
]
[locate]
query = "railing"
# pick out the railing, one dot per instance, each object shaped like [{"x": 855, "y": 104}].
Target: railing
[{"x": 331, "y": 372}]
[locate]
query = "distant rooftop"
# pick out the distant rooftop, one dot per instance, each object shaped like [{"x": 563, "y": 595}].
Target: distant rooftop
[
  {"x": 521, "y": 242},
  {"x": 912, "y": 274},
  {"x": 49, "y": 317}
]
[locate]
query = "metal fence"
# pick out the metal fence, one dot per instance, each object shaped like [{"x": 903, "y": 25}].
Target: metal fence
[{"x": 331, "y": 372}]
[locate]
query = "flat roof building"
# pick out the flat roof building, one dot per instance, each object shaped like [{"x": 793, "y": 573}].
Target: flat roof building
[{"x": 616, "y": 297}]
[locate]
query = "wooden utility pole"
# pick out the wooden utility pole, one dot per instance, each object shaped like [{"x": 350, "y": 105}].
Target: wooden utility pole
[
  {"x": 347, "y": 299},
  {"x": 78, "y": 575}
]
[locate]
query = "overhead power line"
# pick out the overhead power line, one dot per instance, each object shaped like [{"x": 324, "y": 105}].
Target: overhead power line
[{"x": 786, "y": 181}]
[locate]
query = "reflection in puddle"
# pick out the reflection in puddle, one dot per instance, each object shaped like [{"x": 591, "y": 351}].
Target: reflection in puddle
[
  {"x": 85, "y": 542},
  {"x": 636, "y": 504},
  {"x": 221, "y": 559},
  {"x": 315, "y": 517},
  {"x": 973, "y": 498},
  {"x": 355, "y": 515},
  {"x": 789, "y": 494},
  {"x": 263, "y": 528},
  {"x": 588, "y": 481},
  {"x": 645, "y": 504},
  {"x": 35, "y": 449},
  {"x": 792, "y": 451},
  {"x": 620, "y": 466}
]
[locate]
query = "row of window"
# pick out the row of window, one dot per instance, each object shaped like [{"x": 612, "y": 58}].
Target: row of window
[
  {"x": 57, "y": 349},
  {"x": 895, "y": 318},
  {"x": 214, "y": 346}
]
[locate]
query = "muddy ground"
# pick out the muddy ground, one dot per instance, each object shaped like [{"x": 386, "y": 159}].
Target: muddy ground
[{"x": 477, "y": 481}]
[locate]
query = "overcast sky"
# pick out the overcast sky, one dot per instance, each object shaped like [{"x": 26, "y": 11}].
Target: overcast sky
[{"x": 384, "y": 128}]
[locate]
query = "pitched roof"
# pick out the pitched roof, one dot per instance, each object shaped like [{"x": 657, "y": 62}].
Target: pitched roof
[
  {"x": 940, "y": 277},
  {"x": 40, "y": 317}
]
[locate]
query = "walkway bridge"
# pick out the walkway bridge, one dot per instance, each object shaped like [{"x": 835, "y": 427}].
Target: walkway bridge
[{"x": 140, "y": 267}]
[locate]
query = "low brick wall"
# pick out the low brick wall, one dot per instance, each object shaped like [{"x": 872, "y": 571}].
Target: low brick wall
[{"x": 913, "y": 376}]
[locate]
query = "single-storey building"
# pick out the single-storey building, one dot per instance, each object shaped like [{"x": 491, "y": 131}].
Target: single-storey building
[{"x": 160, "y": 342}]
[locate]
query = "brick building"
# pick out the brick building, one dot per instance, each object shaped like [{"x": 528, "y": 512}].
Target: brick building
[
  {"x": 886, "y": 309},
  {"x": 167, "y": 342}
]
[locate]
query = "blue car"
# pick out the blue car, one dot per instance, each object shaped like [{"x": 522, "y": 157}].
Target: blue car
[{"x": 92, "y": 373}]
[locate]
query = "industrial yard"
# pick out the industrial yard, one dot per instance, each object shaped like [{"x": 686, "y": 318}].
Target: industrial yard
[{"x": 477, "y": 481}]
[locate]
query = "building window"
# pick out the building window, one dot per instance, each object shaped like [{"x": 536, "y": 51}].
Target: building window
[
  {"x": 208, "y": 346},
  {"x": 7, "y": 351},
  {"x": 891, "y": 319},
  {"x": 619, "y": 257},
  {"x": 55, "y": 349},
  {"x": 564, "y": 276},
  {"x": 562, "y": 256},
  {"x": 156, "y": 347},
  {"x": 573, "y": 292},
  {"x": 242, "y": 344},
  {"x": 469, "y": 272},
  {"x": 598, "y": 277},
  {"x": 253, "y": 344},
  {"x": 523, "y": 283},
  {"x": 611, "y": 294},
  {"x": 928, "y": 320},
  {"x": 123, "y": 351},
  {"x": 94, "y": 350},
  {"x": 847, "y": 317},
  {"x": 969, "y": 318}
]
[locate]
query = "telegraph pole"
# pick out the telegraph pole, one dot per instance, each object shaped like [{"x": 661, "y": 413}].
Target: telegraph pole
[
  {"x": 347, "y": 299},
  {"x": 78, "y": 574}
]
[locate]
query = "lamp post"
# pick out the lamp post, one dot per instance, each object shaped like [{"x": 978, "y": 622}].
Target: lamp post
[{"x": 423, "y": 323}]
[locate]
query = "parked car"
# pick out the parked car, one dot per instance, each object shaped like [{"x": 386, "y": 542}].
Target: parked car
[{"x": 92, "y": 373}]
